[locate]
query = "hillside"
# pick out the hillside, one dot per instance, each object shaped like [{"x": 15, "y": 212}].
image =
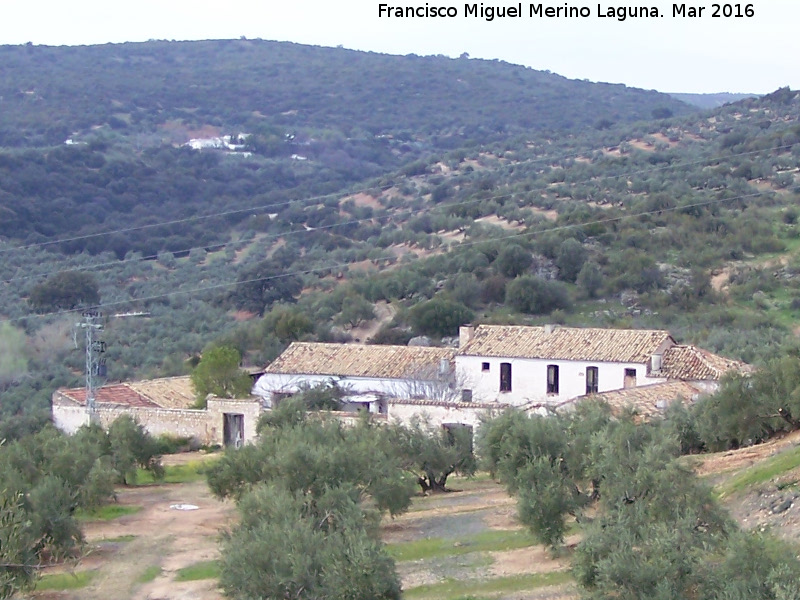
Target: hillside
[{"x": 151, "y": 89}]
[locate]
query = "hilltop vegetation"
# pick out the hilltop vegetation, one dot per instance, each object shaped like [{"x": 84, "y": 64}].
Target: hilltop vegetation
[{"x": 151, "y": 89}]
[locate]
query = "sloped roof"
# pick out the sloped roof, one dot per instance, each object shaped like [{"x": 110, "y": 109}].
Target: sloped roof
[
  {"x": 354, "y": 360},
  {"x": 566, "y": 343},
  {"x": 120, "y": 394},
  {"x": 648, "y": 400},
  {"x": 168, "y": 392},
  {"x": 690, "y": 363}
]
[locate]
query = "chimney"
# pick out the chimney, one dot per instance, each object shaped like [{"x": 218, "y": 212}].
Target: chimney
[
  {"x": 656, "y": 362},
  {"x": 549, "y": 328},
  {"x": 444, "y": 366},
  {"x": 465, "y": 333}
]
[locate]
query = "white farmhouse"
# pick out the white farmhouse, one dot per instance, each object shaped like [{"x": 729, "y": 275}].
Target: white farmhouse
[
  {"x": 369, "y": 374},
  {"x": 551, "y": 365}
]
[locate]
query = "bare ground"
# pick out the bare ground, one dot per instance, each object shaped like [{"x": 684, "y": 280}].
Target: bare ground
[{"x": 164, "y": 537}]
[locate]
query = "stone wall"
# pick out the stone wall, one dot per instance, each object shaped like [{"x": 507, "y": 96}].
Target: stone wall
[
  {"x": 187, "y": 423},
  {"x": 203, "y": 425}
]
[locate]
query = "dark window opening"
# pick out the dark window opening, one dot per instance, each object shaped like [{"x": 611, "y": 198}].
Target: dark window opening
[
  {"x": 552, "y": 379},
  {"x": 484, "y": 366},
  {"x": 591, "y": 380},
  {"x": 466, "y": 395},
  {"x": 630, "y": 378},
  {"x": 505, "y": 377}
]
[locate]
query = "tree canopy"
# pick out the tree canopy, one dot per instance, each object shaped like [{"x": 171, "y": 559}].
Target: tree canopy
[{"x": 218, "y": 373}]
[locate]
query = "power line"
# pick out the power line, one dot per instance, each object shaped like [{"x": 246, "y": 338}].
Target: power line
[
  {"x": 317, "y": 199},
  {"x": 389, "y": 257},
  {"x": 431, "y": 208}
]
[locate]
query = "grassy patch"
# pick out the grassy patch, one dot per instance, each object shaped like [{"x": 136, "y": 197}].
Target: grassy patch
[
  {"x": 455, "y": 589},
  {"x": 106, "y": 512},
  {"x": 191, "y": 471},
  {"x": 118, "y": 539},
  {"x": 762, "y": 472},
  {"x": 149, "y": 574},
  {"x": 488, "y": 541},
  {"x": 65, "y": 581},
  {"x": 208, "y": 569}
]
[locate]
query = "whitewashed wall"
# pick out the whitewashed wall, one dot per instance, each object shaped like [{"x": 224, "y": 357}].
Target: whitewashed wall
[
  {"x": 440, "y": 414},
  {"x": 529, "y": 378},
  {"x": 270, "y": 383}
]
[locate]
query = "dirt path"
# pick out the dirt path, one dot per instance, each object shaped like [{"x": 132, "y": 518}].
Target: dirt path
[{"x": 122, "y": 550}]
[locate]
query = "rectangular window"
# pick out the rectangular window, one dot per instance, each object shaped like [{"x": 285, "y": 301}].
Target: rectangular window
[
  {"x": 552, "y": 379},
  {"x": 630, "y": 378},
  {"x": 505, "y": 377},
  {"x": 591, "y": 380},
  {"x": 484, "y": 366}
]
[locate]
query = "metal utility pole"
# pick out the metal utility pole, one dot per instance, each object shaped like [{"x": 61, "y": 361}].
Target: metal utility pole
[{"x": 95, "y": 363}]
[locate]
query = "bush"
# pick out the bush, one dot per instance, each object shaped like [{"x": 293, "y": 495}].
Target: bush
[
  {"x": 537, "y": 296},
  {"x": 439, "y": 317}
]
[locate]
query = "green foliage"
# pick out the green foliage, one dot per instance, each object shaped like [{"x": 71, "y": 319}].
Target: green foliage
[
  {"x": 314, "y": 454},
  {"x": 65, "y": 290},
  {"x": 749, "y": 409},
  {"x": 13, "y": 360},
  {"x": 537, "y": 296},
  {"x": 763, "y": 472},
  {"x": 287, "y": 546},
  {"x": 570, "y": 259},
  {"x": 432, "y": 547},
  {"x": 264, "y": 284},
  {"x": 544, "y": 499},
  {"x": 65, "y": 581},
  {"x": 18, "y": 541},
  {"x": 107, "y": 512},
  {"x": 355, "y": 311},
  {"x": 208, "y": 569},
  {"x": 287, "y": 324},
  {"x": 132, "y": 447},
  {"x": 149, "y": 574},
  {"x": 655, "y": 531},
  {"x": 513, "y": 261},
  {"x": 218, "y": 373},
  {"x": 433, "y": 453},
  {"x": 466, "y": 589},
  {"x": 49, "y": 480},
  {"x": 439, "y": 317}
]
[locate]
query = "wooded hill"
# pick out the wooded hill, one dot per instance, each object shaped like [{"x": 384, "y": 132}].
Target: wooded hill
[{"x": 50, "y": 94}]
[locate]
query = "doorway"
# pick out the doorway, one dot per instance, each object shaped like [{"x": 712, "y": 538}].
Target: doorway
[{"x": 233, "y": 429}]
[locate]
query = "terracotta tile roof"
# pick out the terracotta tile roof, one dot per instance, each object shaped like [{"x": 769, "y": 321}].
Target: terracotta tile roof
[
  {"x": 648, "y": 400},
  {"x": 690, "y": 363},
  {"x": 566, "y": 343},
  {"x": 168, "y": 392},
  {"x": 352, "y": 360},
  {"x": 120, "y": 394}
]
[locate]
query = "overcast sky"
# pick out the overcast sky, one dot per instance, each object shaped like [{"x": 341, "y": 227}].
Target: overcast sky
[{"x": 670, "y": 54}]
